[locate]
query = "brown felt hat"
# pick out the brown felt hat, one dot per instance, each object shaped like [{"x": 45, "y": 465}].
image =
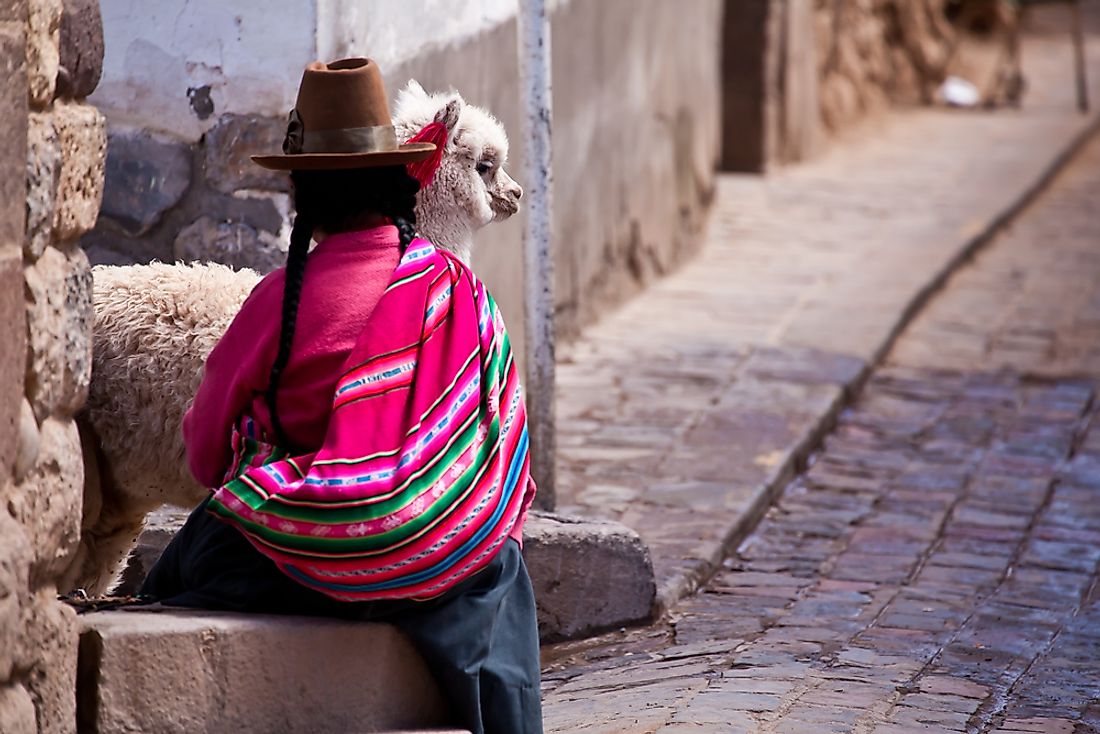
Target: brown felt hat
[{"x": 342, "y": 120}]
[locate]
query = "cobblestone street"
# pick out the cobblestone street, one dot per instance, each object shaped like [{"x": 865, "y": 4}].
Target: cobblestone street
[{"x": 935, "y": 568}]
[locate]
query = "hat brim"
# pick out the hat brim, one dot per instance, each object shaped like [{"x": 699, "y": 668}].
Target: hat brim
[{"x": 408, "y": 153}]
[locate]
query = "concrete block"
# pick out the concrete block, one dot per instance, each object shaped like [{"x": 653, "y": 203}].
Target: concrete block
[
  {"x": 588, "y": 575},
  {"x": 81, "y": 49},
  {"x": 43, "y": 57},
  {"x": 48, "y": 501},
  {"x": 191, "y": 672},
  {"x": 82, "y": 137},
  {"x": 43, "y": 176},
  {"x": 145, "y": 176},
  {"x": 16, "y": 711}
]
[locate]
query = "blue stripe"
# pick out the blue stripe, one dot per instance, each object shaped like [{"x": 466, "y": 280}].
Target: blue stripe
[{"x": 454, "y": 557}]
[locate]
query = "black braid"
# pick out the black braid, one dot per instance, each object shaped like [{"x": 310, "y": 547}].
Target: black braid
[
  {"x": 300, "y": 237},
  {"x": 335, "y": 201},
  {"x": 406, "y": 229}
]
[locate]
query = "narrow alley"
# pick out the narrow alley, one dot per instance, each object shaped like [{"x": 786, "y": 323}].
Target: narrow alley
[{"x": 936, "y": 566}]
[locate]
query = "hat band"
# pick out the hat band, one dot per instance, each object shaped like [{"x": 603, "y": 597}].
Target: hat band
[{"x": 373, "y": 139}]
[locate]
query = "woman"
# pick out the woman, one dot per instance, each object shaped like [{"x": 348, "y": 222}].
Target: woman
[{"x": 367, "y": 450}]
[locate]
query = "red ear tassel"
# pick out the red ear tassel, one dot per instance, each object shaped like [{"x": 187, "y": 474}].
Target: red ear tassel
[{"x": 424, "y": 171}]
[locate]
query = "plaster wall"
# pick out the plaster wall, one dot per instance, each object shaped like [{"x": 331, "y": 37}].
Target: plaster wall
[{"x": 175, "y": 67}]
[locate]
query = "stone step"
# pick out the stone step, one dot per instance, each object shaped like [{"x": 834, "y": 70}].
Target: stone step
[
  {"x": 588, "y": 575},
  {"x": 158, "y": 669},
  {"x": 191, "y": 672}
]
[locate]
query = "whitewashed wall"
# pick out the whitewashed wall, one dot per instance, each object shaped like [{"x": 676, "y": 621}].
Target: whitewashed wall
[{"x": 250, "y": 53}]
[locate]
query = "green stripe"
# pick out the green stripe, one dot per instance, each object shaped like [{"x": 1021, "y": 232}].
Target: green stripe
[
  {"x": 433, "y": 471},
  {"x": 304, "y": 544},
  {"x": 410, "y": 278}
]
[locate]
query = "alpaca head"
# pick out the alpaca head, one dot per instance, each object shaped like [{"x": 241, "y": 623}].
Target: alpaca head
[{"x": 471, "y": 187}]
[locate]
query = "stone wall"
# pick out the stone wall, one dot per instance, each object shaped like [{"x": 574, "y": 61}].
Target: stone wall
[
  {"x": 636, "y": 98},
  {"x": 52, "y": 180},
  {"x": 794, "y": 71},
  {"x": 876, "y": 52}
]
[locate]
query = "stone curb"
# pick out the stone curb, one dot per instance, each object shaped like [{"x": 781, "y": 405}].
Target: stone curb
[
  {"x": 588, "y": 575},
  {"x": 794, "y": 459}
]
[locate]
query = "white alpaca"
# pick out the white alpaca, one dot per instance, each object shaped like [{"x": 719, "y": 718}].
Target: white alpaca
[{"x": 154, "y": 326}]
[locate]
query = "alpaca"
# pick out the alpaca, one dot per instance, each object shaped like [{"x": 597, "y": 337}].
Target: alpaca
[
  {"x": 471, "y": 187},
  {"x": 154, "y": 325}
]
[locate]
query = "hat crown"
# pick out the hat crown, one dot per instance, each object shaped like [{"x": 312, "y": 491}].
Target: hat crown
[
  {"x": 341, "y": 95},
  {"x": 342, "y": 120}
]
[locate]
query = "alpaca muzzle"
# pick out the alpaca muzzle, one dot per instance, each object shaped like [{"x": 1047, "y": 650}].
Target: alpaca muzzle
[{"x": 506, "y": 204}]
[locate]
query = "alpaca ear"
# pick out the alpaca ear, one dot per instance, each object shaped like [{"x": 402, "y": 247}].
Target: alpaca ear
[
  {"x": 449, "y": 114},
  {"x": 414, "y": 89}
]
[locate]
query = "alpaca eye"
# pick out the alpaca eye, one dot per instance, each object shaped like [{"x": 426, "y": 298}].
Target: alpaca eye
[{"x": 483, "y": 167}]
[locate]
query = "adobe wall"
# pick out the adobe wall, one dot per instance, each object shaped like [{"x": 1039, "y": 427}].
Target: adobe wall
[{"x": 51, "y": 172}]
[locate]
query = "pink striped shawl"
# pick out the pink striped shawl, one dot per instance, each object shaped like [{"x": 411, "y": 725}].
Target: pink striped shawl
[{"x": 424, "y": 466}]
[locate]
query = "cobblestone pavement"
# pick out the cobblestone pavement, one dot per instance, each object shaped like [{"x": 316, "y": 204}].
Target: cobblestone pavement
[
  {"x": 682, "y": 414},
  {"x": 937, "y": 566}
]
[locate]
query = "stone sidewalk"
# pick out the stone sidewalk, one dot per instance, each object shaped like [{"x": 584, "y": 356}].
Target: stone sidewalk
[
  {"x": 937, "y": 566},
  {"x": 684, "y": 413}
]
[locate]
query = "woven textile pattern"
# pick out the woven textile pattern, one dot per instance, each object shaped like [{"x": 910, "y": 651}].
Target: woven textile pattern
[{"x": 424, "y": 466}]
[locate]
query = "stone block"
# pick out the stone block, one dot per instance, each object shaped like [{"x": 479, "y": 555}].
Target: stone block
[
  {"x": 14, "y": 582},
  {"x": 48, "y": 501},
  {"x": 77, "y": 354},
  {"x": 17, "y": 711},
  {"x": 145, "y": 177},
  {"x": 26, "y": 447},
  {"x": 191, "y": 672},
  {"x": 45, "y": 292},
  {"x": 13, "y": 10},
  {"x": 81, "y": 49},
  {"x": 588, "y": 575},
  {"x": 49, "y": 654},
  {"x": 82, "y": 137},
  {"x": 160, "y": 526},
  {"x": 233, "y": 243},
  {"x": 59, "y": 318},
  {"x": 13, "y": 336},
  {"x": 43, "y": 57},
  {"x": 43, "y": 175},
  {"x": 228, "y": 147},
  {"x": 13, "y": 132}
]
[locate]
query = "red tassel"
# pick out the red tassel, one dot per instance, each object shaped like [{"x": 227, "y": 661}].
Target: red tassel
[{"x": 424, "y": 171}]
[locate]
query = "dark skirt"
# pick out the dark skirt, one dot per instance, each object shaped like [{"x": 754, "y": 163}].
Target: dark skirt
[{"x": 480, "y": 639}]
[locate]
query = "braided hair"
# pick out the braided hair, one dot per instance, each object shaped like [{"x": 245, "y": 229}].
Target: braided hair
[{"x": 334, "y": 201}]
